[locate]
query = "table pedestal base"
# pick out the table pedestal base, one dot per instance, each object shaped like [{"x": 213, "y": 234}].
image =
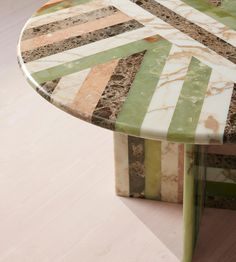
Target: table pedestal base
[{"x": 179, "y": 173}]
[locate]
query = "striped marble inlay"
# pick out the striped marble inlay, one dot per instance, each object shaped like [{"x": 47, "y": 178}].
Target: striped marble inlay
[{"x": 151, "y": 68}]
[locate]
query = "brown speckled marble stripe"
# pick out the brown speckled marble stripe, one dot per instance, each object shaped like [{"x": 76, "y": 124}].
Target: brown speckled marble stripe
[
  {"x": 48, "y": 88},
  {"x": 196, "y": 32},
  {"x": 136, "y": 154},
  {"x": 230, "y": 129},
  {"x": 68, "y": 22},
  {"x": 116, "y": 91},
  {"x": 80, "y": 40},
  {"x": 221, "y": 161},
  {"x": 221, "y": 202},
  {"x": 215, "y": 2}
]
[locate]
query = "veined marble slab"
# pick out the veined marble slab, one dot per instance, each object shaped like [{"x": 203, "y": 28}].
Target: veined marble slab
[{"x": 180, "y": 87}]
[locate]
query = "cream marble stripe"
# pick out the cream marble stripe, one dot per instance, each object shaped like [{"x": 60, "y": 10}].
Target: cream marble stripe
[
  {"x": 121, "y": 164},
  {"x": 68, "y": 87},
  {"x": 169, "y": 172},
  {"x": 219, "y": 92},
  {"x": 90, "y": 49},
  {"x": 165, "y": 98},
  {"x": 90, "y": 92},
  {"x": 64, "y": 13},
  {"x": 221, "y": 175},
  {"x": 200, "y": 19},
  {"x": 178, "y": 38},
  {"x": 78, "y": 30}
]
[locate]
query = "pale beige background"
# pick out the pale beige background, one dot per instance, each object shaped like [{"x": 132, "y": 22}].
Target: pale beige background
[{"x": 57, "y": 200}]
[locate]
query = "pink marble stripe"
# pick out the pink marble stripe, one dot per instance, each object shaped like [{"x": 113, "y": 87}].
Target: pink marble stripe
[
  {"x": 64, "y": 34},
  {"x": 90, "y": 92}
]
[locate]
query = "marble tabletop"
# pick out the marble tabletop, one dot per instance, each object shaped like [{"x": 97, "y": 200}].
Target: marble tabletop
[{"x": 158, "y": 69}]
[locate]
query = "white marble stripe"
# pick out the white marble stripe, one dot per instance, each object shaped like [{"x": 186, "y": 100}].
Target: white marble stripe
[
  {"x": 221, "y": 175},
  {"x": 64, "y": 13},
  {"x": 121, "y": 164},
  {"x": 162, "y": 106},
  {"x": 214, "y": 112},
  {"x": 68, "y": 87},
  {"x": 201, "y": 19},
  {"x": 169, "y": 171},
  {"x": 90, "y": 49},
  {"x": 186, "y": 43}
]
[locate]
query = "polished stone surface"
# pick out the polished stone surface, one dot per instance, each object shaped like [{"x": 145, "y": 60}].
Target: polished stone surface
[{"x": 156, "y": 69}]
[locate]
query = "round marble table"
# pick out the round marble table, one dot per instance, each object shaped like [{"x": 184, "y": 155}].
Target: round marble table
[{"x": 162, "y": 75}]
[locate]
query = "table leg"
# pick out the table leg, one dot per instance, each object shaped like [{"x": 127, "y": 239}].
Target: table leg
[{"x": 176, "y": 173}]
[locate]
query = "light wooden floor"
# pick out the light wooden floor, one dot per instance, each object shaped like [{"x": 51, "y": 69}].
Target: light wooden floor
[{"x": 57, "y": 200}]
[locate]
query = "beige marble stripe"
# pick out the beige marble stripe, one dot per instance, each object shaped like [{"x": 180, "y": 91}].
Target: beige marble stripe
[
  {"x": 181, "y": 173},
  {"x": 64, "y": 13},
  {"x": 200, "y": 19},
  {"x": 64, "y": 34},
  {"x": 169, "y": 172},
  {"x": 68, "y": 87},
  {"x": 89, "y": 94},
  {"x": 121, "y": 164},
  {"x": 213, "y": 117}
]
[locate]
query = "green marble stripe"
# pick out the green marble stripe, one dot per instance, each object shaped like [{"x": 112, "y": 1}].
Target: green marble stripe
[
  {"x": 225, "y": 14},
  {"x": 185, "y": 119},
  {"x": 137, "y": 102},
  {"x": 90, "y": 61},
  {"x": 152, "y": 169},
  {"x": 59, "y": 6},
  {"x": 189, "y": 203},
  {"x": 220, "y": 189}
]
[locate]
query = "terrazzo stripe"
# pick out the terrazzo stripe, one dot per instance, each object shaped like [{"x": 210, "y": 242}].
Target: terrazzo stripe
[
  {"x": 136, "y": 148},
  {"x": 92, "y": 89},
  {"x": 77, "y": 41},
  {"x": 230, "y": 128},
  {"x": 48, "y": 88},
  {"x": 221, "y": 161},
  {"x": 199, "y": 34},
  {"x": 185, "y": 119},
  {"x": 116, "y": 91},
  {"x": 143, "y": 87},
  {"x": 75, "y": 31},
  {"x": 153, "y": 174},
  {"x": 68, "y": 22},
  {"x": 162, "y": 106},
  {"x": 121, "y": 164}
]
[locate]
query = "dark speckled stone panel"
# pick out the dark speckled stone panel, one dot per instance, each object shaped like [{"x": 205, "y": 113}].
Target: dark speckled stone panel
[
  {"x": 68, "y": 22},
  {"x": 230, "y": 129},
  {"x": 116, "y": 91},
  {"x": 81, "y": 40},
  {"x": 136, "y": 166},
  {"x": 221, "y": 202},
  {"x": 221, "y": 161},
  {"x": 47, "y": 88},
  {"x": 199, "y": 34}
]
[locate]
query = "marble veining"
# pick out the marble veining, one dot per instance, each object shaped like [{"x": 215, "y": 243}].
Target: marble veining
[{"x": 158, "y": 51}]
